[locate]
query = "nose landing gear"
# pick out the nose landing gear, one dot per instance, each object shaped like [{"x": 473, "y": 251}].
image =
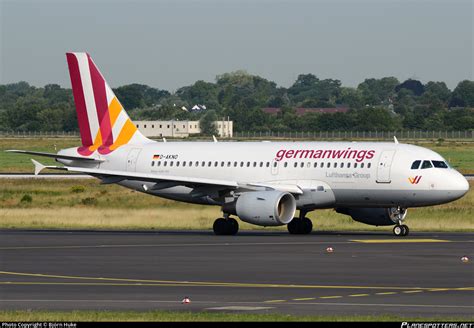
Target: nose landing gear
[{"x": 401, "y": 230}]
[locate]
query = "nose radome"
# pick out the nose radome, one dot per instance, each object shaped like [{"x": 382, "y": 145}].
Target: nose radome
[
  {"x": 464, "y": 184},
  {"x": 460, "y": 186}
]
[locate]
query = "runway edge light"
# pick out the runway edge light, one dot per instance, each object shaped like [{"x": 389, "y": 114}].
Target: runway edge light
[{"x": 186, "y": 300}]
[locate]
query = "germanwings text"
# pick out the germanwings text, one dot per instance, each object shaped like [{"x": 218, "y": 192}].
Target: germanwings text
[{"x": 358, "y": 155}]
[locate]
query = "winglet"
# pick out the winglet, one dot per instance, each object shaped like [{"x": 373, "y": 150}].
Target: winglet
[
  {"x": 395, "y": 139},
  {"x": 214, "y": 138},
  {"x": 38, "y": 166}
]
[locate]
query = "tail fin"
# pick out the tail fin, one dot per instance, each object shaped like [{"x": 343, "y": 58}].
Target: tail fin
[{"x": 103, "y": 123}]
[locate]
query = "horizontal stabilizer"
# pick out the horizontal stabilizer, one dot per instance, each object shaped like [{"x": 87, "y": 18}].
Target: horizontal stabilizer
[
  {"x": 52, "y": 155},
  {"x": 40, "y": 167}
]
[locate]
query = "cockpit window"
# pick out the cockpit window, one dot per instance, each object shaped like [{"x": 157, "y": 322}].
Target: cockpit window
[
  {"x": 426, "y": 165},
  {"x": 415, "y": 165},
  {"x": 440, "y": 164}
]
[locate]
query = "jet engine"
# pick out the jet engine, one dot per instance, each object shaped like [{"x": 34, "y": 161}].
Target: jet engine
[
  {"x": 375, "y": 216},
  {"x": 263, "y": 208}
]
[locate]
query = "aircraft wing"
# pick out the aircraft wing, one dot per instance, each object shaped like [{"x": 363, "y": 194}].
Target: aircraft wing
[
  {"x": 52, "y": 155},
  {"x": 166, "y": 181}
]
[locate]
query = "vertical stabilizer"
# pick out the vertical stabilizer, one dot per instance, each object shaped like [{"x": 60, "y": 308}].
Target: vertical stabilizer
[{"x": 103, "y": 123}]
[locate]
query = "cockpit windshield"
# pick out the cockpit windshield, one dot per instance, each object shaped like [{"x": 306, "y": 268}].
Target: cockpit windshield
[
  {"x": 415, "y": 165},
  {"x": 429, "y": 164},
  {"x": 440, "y": 164},
  {"x": 426, "y": 165}
]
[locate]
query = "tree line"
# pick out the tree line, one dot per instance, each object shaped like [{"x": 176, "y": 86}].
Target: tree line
[{"x": 375, "y": 104}]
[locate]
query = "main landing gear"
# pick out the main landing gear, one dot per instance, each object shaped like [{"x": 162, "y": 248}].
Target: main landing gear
[
  {"x": 226, "y": 226},
  {"x": 401, "y": 230},
  {"x": 300, "y": 225}
]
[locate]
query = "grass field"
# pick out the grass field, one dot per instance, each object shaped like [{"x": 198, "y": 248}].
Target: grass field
[
  {"x": 459, "y": 154},
  {"x": 178, "y": 316},
  {"x": 77, "y": 204}
]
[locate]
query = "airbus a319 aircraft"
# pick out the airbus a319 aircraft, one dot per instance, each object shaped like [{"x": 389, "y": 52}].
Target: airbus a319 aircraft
[{"x": 263, "y": 183}]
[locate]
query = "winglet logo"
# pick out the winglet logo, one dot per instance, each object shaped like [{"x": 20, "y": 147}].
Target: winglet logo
[{"x": 415, "y": 180}]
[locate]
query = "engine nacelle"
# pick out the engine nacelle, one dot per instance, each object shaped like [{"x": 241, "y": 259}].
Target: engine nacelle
[
  {"x": 264, "y": 208},
  {"x": 375, "y": 216}
]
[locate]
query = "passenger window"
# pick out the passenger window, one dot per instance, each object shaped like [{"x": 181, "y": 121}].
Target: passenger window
[
  {"x": 209, "y": 164},
  {"x": 285, "y": 164},
  {"x": 328, "y": 165},
  {"x": 361, "y": 165},
  {"x": 228, "y": 164},
  {"x": 203, "y": 163},
  {"x": 348, "y": 165},
  {"x": 177, "y": 163},
  {"x": 415, "y": 165},
  {"x": 295, "y": 165},
  {"x": 355, "y": 165},
  {"x": 369, "y": 165},
  {"x": 308, "y": 165},
  {"x": 261, "y": 164},
  {"x": 335, "y": 165},
  {"x": 222, "y": 164},
  {"x": 152, "y": 163},
  {"x": 315, "y": 164},
  {"x": 216, "y": 163},
  {"x": 275, "y": 164},
  {"x": 164, "y": 163},
  {"x": 235, "y": 164},
  {"x": 184, "y": 163},
  {"x": 158, "y": 163},
  {"x": 426, "y": 165},
  {"x": 322, "y": 164},
  {"x": 302, "y": 164},
  {"x": 268, "y": 164},
  {"x": 440, "y": 164},
  {"x": 342, "y": 165},
  {"x": 171, "y": 163},
  {"x": 248, "y": 164},
  {"x": 254, "y": 164},
  {"x": 241, "y": 164}
]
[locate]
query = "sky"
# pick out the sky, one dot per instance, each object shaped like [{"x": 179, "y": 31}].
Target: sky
[{"x": 170, "y": 44}]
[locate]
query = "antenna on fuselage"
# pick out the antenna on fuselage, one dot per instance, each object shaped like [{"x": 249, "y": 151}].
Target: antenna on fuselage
[{"x": 395, "y": 139}]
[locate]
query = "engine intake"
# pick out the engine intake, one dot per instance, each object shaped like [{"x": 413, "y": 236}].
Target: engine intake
[
  {"x": 263, "y": 208},
  {"x": 375, "y": 216}
]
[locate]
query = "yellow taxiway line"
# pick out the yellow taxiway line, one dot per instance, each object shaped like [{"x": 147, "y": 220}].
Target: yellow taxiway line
[{"x": 108, "y": 280}]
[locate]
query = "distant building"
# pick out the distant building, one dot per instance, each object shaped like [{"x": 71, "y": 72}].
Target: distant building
[
  {"x": 180, "y": 129},
  {"x": 301, "y": 111}
]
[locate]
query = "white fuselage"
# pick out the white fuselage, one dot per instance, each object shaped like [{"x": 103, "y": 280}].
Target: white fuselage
[{"x": 331, "y": 174}]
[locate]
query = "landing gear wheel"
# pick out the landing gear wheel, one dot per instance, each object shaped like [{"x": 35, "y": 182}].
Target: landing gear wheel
[
  {"x": 223, "y": 226},
  {"x": 219, "y": 226},
  {"x": 233, "y": 226},
  {"x": 307, "y": 226},
  {"x": 398, "y": 231},
  {"x": 293, "y": 226},
  {"x": 401, "y": 230},
  {"x": 299, "y": 226},
  {"x": 406, "y": 231}
]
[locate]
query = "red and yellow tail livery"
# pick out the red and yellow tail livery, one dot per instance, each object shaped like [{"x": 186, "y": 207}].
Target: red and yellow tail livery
[{"x": 103, "y": 123}]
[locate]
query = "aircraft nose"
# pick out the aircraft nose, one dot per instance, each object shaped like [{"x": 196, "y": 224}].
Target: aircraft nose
[{"x": 460, "y": 186}]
